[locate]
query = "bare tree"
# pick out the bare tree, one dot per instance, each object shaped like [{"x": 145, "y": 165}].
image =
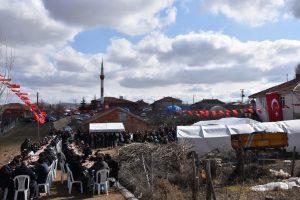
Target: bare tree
[{"x": 6, "y": 64}]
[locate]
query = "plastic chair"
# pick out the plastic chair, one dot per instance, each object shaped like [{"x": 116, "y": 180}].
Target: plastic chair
[
  {"x": 5, "y": 193},
  {"x": 45, "y": 185},
  {"x": 62, "y": 172},
  {"x": 102, "y": 181},
  {"x": 71, "y": 181},
  {"x": 59, "y": 146},
  {"x": 21, "y": 184},
  {"x": 55, "y": 168}
]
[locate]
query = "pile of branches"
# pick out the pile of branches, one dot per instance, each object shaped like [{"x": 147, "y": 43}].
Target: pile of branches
[{"x": 143, "y": 166}]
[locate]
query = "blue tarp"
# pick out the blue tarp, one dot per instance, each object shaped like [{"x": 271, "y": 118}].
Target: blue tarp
[{"x": 173, "y": 108}]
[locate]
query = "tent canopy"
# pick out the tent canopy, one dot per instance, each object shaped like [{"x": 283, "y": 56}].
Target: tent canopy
[
  {"x": 205, "y": 138},
  {"x": 106, "y": 127},
  {"x": 227, "y": 121}
]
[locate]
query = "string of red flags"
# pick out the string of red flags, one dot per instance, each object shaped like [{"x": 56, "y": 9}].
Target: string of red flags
[
  {"x": 217, "y": 113},
  {"x": 39, "y": 115}
]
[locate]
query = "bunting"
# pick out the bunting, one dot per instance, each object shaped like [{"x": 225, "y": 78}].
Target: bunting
[
  {"x": 217, "y": 113},
  {"x": 39, "y": 115}
]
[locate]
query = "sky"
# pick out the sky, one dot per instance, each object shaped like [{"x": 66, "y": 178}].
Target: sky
[{"x": 150, "y": 49}]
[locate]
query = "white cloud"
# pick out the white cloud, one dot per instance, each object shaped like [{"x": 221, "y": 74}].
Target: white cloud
[
  {"x": 156, "y": 65},
  {"x": 27, "y": 23},
  {"x": 130, "y": 17},
  {"x": 252, "y": 12}
]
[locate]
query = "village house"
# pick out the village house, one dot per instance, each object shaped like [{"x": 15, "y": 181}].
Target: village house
[
  {"x": 131, "y": 121},
  {"x": 207, "y": 104},
  {"x": 289, "y": 94},
  {"x": 163, "y": 103},
  {"x": 14, "y": 112}
]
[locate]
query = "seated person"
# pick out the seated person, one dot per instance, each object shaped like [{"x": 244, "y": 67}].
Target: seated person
[
  {"x": 41, "y": 169},
  {"x": 76, "y": 167},
  {"x": 6, "y": 180},
  {"x": 87, "y": 151},
  {"x": 113, "y": 166},
  {"x": 24, "y": 170},
  {"x": 99, "y": 164},
  {"x": 26, "y": 145}
]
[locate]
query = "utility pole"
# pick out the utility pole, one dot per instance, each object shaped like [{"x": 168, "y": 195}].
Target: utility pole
[
  {"x": 287, "y": 77},
  {"x": 193, "y": 98},
  {"x": 37, "y": 105},
  {"x": 242, "y": 95}
]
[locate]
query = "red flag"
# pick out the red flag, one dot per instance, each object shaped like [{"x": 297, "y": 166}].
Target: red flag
[
  {"x": 235, "y": 113},
  {"x": 214, "y": 113},
  {"x": 228, "y": 113},
  {"x": 15, "y": 89},
  {"x": 274, "y": 107},
  {"x": 221, "y": 113}
]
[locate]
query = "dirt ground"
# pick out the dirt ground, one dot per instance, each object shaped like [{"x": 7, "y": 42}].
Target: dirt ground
[{"x": 10, "y": 147}]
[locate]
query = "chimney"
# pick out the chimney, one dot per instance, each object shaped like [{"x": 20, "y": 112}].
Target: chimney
[{"x": 297, "y": 71}]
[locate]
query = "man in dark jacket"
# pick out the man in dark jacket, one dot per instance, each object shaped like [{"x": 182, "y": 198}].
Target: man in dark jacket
[
  {"x": 24, "y": 170},
  {"x": 6, "y": 180},
  {"x": 87, "y": 151},
  {"x": 41, "y": 170},
  {"x": 99, "y": 164},
  {"x": 113, "y": 166},
  {"x": 26, "y": 145}
]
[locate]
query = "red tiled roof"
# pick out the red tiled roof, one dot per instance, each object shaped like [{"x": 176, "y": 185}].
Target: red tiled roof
[
  {"x": 101, "y": 114},
  {"x": 209, "y": 101},
  {"x": 168, "y": 99},
  {"x": 287, "y": 86}
]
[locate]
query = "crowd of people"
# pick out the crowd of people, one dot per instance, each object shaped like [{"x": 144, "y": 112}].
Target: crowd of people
[
  {"x": 24, "y": 164},
  {"x": 84, "y": 164},
  {"x": 162, "y": 135},
  {"x": 36, "y": 158}
]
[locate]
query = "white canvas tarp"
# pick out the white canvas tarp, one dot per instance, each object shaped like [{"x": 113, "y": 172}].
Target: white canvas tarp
[
  {"x": 106, "y": 127},
  {"x": 227, "y": 121},
  {"x": 205, "y": 138}
]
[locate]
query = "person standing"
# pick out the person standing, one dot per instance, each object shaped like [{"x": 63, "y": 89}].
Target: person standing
[{"x": 6, "y": 180}]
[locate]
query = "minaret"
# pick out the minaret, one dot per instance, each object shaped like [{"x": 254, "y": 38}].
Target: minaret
[{"x": 102, "y": 84}]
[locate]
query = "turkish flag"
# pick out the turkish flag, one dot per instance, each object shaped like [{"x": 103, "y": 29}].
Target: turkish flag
[{"x": 274, "y": 107}]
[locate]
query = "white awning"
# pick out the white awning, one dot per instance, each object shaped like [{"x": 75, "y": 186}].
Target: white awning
[{"x": 106, "y": 127}]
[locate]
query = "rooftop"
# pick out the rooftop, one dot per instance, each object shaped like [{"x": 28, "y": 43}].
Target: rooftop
[{"x": 287, "y": 86}]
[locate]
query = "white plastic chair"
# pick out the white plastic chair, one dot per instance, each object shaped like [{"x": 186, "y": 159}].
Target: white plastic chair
[
  {"x": 103, "y": 181},
  {"x": 45, "y": 185},
  {"x": 55, "y": 168},
  {"x": 21, "y": 183},
  {"x": 5, "y": 193},
  {"x": 62, "y": 172},
  {"x": 59, "y": 146},
  {"x": 71, "y": 180}
]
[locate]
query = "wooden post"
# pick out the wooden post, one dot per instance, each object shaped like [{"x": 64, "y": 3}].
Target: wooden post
[
  {"x": 209, "y": 184},
  {"x": 195, "y": 179},
  {"x": 293, "y": 162}
]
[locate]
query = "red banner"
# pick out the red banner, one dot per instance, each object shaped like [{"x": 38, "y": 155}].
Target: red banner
[{"x": 274, "y": 107}]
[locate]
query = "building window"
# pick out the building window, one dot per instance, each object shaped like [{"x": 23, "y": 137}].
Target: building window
[
  {"x": 282, "y": 101},
  {"x": 122, "y": 117}
]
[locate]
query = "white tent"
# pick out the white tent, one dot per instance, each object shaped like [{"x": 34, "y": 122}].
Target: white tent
[
  {"x": 205, "y": 138},
  {"x": 227, "y": 121},
  {"x": 106, "y": 127}
]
